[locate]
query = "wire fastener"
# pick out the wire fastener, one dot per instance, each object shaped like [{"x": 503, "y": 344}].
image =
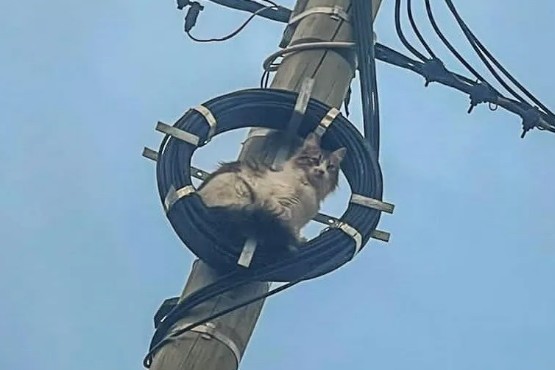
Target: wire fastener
[
  {"x": 322, "y": 127},
  {"x": 364, "y": 201},
  {"x": 208, "y": 331},
  {"x": 174, "y": 195},
  {"x": 177, "y": 133},
  {"x": 210, "y": 119}
]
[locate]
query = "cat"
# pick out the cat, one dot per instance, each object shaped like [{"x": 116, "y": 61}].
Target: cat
[{"x": 254, "y": 200}]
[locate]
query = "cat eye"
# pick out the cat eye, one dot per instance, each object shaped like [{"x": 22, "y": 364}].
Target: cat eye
[{"x": 332, "y": 167}]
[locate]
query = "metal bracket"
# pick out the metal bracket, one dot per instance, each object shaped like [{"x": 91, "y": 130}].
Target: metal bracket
[
  {"x": 177, "y": 133},
  {"x": 361, "y": 200},
  {"x": 208, "y": 331},
  {"x": 336, "y": 13},
  {"x": 210, "y": 119},
  {"x": 322, "y": 127},
  {"x": 150, "y": 154},
  {"x": 247, "y": 253},
  {"x": 296, "y": 118},
  {"x": 174, "y": 195},
  {"x": 322, "y": 218},
  {"x": 352, "y": 232}
]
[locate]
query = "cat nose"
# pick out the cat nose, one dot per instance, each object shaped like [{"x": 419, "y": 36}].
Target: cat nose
[{"x": 319, "y": 171}]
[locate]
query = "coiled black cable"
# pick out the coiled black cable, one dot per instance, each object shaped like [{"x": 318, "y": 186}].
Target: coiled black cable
[{"x": 330, "y": 250}]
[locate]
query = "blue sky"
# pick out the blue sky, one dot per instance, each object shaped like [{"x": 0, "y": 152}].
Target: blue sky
[{"x": 87, "y": 255}]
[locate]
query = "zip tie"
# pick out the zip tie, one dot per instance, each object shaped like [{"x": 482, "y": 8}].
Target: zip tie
[
  {"x": 208, "y": 331},
  {"x": 352, "y": 232},
  {"x": 332, "y": 114},
  {"x": 361, "y": 200},
  {"x": 336, "y": 13},
  {"x": 175, "y": 195},
  {"x": 210, "y": 119},
  {"x": 178, "y": 133}
]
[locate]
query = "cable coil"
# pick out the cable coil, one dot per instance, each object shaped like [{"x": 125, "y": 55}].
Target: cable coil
[{"x": 268, "y": 108}]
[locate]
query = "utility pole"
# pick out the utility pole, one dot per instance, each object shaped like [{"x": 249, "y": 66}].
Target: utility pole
[{"x": 220, "y": 344}]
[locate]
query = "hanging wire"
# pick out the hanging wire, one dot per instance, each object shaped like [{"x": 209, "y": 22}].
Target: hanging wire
[
  {"x": 449, "y": 45},
  {"x": 232, "y": 34},
  {"x": 401, "y": 35},
  {"x": 417, "y": 31},
  {"x": 481, "y": 50}
]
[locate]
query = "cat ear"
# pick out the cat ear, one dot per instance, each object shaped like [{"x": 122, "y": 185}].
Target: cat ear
[
  {"x": 312, "y": 140},
  {"x": 339, "y": 154}
]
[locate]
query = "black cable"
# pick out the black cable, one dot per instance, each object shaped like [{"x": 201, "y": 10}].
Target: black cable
[
  {"x": 232, "y": 34},
  {"x": 482, "y": 49},
  {"x": 364, "y": 33},
  {"x": 417, "y": 31},
  {"x": 401, "y": 35},
  {"x": 449, "y": 45}
]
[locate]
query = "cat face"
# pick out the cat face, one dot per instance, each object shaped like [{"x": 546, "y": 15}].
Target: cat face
[{"x": 320, "y": 166}]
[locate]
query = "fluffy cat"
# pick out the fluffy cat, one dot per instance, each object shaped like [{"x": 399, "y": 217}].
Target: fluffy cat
[{"x": 253, "y": 200}]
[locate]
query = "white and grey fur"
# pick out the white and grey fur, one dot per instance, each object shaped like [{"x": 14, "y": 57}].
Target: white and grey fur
[{"x": 273, "y": 205}]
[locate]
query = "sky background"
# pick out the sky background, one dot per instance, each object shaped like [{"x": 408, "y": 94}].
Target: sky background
[{"x": 87, "y": 254}]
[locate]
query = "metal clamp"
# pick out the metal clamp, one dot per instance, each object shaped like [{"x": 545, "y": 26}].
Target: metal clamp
[
  {"x": 361, "y": 200},
  {"x": 174, "y": 195},
  {"x": 210, "y": 119},
  {"x": 322, "y": 127},
  {"x": 247, "y": 253},
  {"x": 352, "y": 232},
  {"x": 177, "y": 133},
  {"x": 296, "y": 118},
  {"x": 335, "y": 12},
  {"x": 208, "y": 331}
]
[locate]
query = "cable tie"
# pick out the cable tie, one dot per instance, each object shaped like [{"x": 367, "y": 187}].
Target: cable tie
[
  {"x": 174, "y": 196},
  {"x": 210, "y": 119},
  {"x": 350, "y": 231},
  {"x": 372, "y": 203},
  {"x": 208, "y": 331},
  {"x": 336, "y": 13},
  {"x": 332, "y": 114},
  {"x": 178, "y": 133}
]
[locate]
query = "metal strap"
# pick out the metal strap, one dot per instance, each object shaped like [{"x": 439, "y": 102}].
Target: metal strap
[
  {"x": 210, "y": 119},
  {"x": 336, "y": 13},
  {"x": 150, "y": 154},
  {"x": 320, "y": 130},
  {"x": 372, "y": 203},
  {"x": 296, "y": 118},
  {"x": 352, "y": 232},
  {"x": 174, "y": 195},
  {"x": 178, "y": 133},
  {"x": 247, "y": 253},
  {"x": 208, "y": 331}
]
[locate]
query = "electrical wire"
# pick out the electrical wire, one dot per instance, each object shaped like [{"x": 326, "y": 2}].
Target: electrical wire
[
  {"x": 401, "y": 35},
  {"x": 417, "y": 31},
  {"x": 237, "y": 31},
  {"x": 364, "y": 45},
  {"x": 449, "y": 45},
  {"x": 481, "y": 50}
]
